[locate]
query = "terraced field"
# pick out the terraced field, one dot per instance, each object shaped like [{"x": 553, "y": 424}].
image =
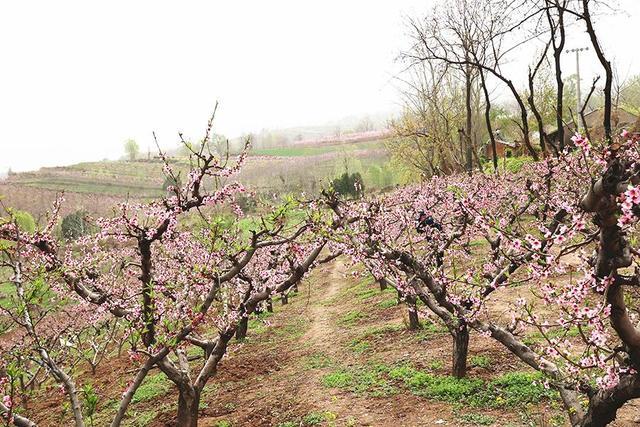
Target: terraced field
[{"x": 97, "y": 186}]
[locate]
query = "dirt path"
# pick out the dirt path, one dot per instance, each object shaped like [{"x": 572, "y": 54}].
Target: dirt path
[
  {"x": 350, "y": 328},
  {"x": 320, "y": 313}
]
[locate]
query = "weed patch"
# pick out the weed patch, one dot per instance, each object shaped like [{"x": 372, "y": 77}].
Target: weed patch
[
  {"x": 359, "y": 346},
  {"x": 388, "y": 303},
  {"x": 318, "y": 361},
  {"x": 476, "y": 419},
  {"x": 351, "y": 318},
  {"x": 480, "y": 361},
  {"x": 361, "y": 380},
  {"x": 153, "y": 386},
  {"x": 508, "y": 390}
]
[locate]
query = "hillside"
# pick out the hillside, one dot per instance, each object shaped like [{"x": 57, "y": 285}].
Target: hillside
[{"x": 98, "y": 186}]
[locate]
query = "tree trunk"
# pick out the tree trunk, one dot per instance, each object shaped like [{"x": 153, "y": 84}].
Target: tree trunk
[
  {"x": 188, "y": 404},
  {"x": 607, "y": 70},
  {"x": 414, "y": 321},
  {"x": 557, "y": 56},
  {"x": 532, "y": 100},
  {"x": 270, "y": 305},
  {"x": 383, "y": 284},
  {"x": 460, "y": 351},
  {"x": 284, "y": 298},
  {"x": 241, "y": 331},
  {"x": 487, "y": 119},
  {"x": 604, "y": 405},
  {"x": 148, "y": 335},
  {"x": 468, "y": 124}
]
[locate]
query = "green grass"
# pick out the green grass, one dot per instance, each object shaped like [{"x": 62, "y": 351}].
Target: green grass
[
  {"x": 152, "y": 387},
  {"x": 512, "y": 389},
  {"x": 430, "y": 329},
  {"x": 360, "y": 346},
  {"x": 512, "y": 164},
  {"x": 378, "y": 331},
  {"x": 318, "y": 361},
  {"x": 436, "y": 365},
  {"x": 293, "y": 151},
  {"x": 143, "y": 418},
  {"x": 315, "y": 418},
  {"x": 367, "y": 293},
  {"x": 536, "y": 337},
  {"x": 388, "y": 303},
  {"x": 96, "y": 188},
  {"x": 364, "y": 380},
  {"x": 351, "y": 318},
  {"x": 294, "y": 329},
  {"x": 7, "y": 290},
  {"x": 480, "y": 361},
  {"x": 476, "y": 419}
]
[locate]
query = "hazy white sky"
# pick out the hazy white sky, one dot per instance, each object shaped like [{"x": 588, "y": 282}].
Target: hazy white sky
[{"x": 77, "y": 78}]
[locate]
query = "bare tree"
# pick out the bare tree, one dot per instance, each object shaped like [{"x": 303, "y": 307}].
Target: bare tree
[
  {"x": 467, "y": 34},
  {"x": 427, "y": 129}
]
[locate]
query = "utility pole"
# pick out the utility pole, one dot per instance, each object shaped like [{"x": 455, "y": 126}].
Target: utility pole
[{"x": 578, "y": 94}]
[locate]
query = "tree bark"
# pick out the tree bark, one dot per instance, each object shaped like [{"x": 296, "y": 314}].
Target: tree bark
[
  {"x": 414, "y": 321},
  {"x": 188, "y": 405},
  {"x": 532, "y": 100},
  {"x": 604, "y": 405},
  {"x": 468, "y": 124},
  {"x": 487, "y": 118},
  {"x": 558, "y": 47},
  {"x": 608, "y": 84},
  {"x": 148, "y": 335},
  {"x": 284, "y": 298},
  {"x": 18, "y": 420},
  {"x": 128, "y": 395},
  {"x": 241, "y": 331},
  {"x": 383, "y": 284},
  {"x": 460, "y": 351}
]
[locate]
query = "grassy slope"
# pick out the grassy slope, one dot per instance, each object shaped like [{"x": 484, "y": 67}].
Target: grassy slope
[{"x": 96, "y": 186}]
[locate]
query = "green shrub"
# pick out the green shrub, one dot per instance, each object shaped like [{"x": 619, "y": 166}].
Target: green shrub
[
  {"x": 349, "y": 184},
  {"x": 511, "y": 164},
  {"x": 75, "y": 225},
  {"x": 90, "y": 402},
  {"x": 25, "y": 221}
]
